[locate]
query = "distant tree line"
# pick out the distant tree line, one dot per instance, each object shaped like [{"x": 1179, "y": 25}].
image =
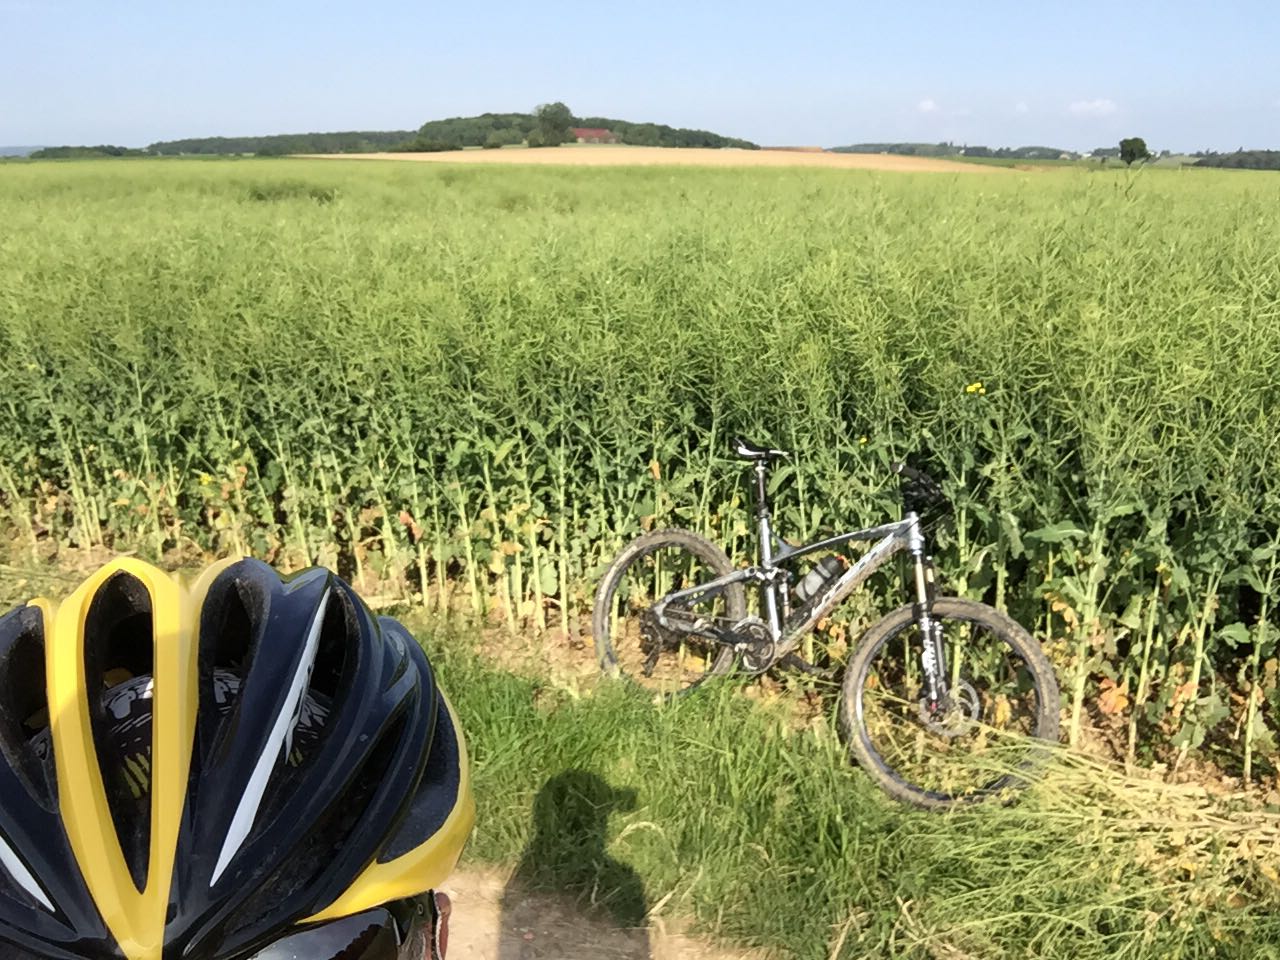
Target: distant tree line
[
  {"x": 71, "y": 153},
  {"x": 549, "y": 125},
  {"x": 352, "y": 141},
  {"x": 902, "y": 149},
  {"x": 1017, "y": 153},
  {"x": 1242, "y": 160},
  {"x": 949, "y": 149}
]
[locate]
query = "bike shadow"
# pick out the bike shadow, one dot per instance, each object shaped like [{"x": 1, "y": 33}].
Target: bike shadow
[{"x": 568, "y": 898}]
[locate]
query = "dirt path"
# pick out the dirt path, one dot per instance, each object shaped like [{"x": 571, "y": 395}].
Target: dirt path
[
  {"x": 538, "y": 926},
  {"x": 612, "y": 156}
]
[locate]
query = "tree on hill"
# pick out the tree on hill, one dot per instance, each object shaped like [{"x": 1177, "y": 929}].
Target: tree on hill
[
  {"x": 1133, "y": 149},
  {"x": 554, "y": 121},
  {"x": 78, "y": 153},
  {"x": 474, "y": 131}
]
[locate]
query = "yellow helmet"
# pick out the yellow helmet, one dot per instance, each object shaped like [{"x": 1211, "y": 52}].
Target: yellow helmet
[{"x": 244, "y": 766}]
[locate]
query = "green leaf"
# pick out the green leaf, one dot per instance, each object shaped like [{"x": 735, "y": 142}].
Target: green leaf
[
  {"x": 1057, "y": 533},
  {"x": 1012, "y": 535},
  {"x": 1132, "y": 616},
  {"x": 1235, "y": 634},
  {"x": 549, "y": 581},
  {"x": 504, "y": 448}
]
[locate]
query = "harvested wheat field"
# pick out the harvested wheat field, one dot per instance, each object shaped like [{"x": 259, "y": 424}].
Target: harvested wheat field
[{"x": 614, "y": 156}]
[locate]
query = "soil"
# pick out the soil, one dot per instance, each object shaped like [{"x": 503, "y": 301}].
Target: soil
[
  {"x": 607, "y": 155},
  {"x": 492, "y": 920}
]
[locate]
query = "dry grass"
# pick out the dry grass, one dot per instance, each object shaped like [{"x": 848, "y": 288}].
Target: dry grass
[{"x": 607, "y": 155}]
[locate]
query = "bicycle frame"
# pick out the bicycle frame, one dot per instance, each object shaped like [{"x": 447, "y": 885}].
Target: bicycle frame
[{"x": 890, "y": 538}]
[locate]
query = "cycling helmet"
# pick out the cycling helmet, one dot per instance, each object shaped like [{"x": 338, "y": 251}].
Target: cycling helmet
[{"x": 244, "y": 767}]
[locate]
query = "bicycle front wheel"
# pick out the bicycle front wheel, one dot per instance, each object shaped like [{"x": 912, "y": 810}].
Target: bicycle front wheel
[
  {"x": 985, "y": 741},
  {"x": 631, "y": 643}
]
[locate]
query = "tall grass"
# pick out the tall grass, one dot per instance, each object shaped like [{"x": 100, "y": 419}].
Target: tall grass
[
  {"x": 762, "y": 831},
  {"x": 468, "y": 387}
]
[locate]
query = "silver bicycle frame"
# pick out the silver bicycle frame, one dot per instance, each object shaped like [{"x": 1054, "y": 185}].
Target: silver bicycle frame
[{"x": 890, "y": 538}]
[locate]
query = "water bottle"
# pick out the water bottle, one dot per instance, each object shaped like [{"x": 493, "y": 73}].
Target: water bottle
[{"x": 824, "y": 572}]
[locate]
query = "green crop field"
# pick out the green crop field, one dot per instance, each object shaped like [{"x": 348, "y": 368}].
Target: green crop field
[
  {"x": 466, "y": 388},
  {"x": 495, "y": 377}
]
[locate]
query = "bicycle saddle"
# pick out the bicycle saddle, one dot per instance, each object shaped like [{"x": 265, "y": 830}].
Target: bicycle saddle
[{"x": 755, "y": 451}]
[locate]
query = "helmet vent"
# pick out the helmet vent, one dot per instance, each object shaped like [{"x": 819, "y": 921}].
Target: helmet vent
[
  {"x": 226, "y": 638},
  {"x": 325, "y": 688},
  {"x": 24, "y": 704},
  {"x": 118, "y": 648},
  {"x": 340, "y": 626},
  {"x": 437, "y": 791},
  {"x": 277, "y": 747},
  {"x": 326, "y": 847}
]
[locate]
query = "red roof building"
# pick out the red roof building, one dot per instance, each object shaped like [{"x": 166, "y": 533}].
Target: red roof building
[{"x": 594, "y": 135}]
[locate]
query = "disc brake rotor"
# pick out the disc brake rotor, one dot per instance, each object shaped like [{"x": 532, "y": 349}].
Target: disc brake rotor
[{"x": 957, "y": 715}]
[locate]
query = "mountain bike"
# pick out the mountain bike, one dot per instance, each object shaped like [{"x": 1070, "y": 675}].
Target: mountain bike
[{"x": 943, "y": 701}]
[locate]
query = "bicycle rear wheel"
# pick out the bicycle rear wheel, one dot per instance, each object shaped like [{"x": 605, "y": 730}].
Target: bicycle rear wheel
[
  {"x": 985, "y": 741},
  {"x": 629, "y": 640}
]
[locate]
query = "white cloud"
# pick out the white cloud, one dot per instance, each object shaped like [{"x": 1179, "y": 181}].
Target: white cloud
[
  {"x": 1021, "y": 107},
  {"x": 927, "y": 106},
  {"x": 1093, "y": 108}
]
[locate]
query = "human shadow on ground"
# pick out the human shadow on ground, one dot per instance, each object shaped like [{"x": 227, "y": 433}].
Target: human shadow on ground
[{"x": 567, "y": 897}]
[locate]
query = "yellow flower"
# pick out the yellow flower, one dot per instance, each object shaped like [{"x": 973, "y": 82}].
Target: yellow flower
[
  {"x": 205, "y": 479},
  {"x": 975, "y": 387},
  {"x": 863, "y": 440}
]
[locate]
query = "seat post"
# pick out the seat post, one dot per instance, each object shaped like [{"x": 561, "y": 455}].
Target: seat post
[{"x": 762, "y": 496}]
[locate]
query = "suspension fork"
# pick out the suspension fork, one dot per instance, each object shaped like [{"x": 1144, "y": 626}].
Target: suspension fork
[{"x": 933, "y": 658}]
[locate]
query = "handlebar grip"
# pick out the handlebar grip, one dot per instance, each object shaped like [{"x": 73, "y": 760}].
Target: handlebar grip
[{"x": 918, "y": 487}]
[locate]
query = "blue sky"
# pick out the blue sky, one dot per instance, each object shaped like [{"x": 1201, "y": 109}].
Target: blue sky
[{"x": 1184, "y": 74}]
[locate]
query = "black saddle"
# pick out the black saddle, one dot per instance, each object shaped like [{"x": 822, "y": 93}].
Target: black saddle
[{"x": 756, "y": 451}]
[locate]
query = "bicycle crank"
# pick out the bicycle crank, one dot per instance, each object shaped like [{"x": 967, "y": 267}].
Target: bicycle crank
[{"x": 754, "y": 645}]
